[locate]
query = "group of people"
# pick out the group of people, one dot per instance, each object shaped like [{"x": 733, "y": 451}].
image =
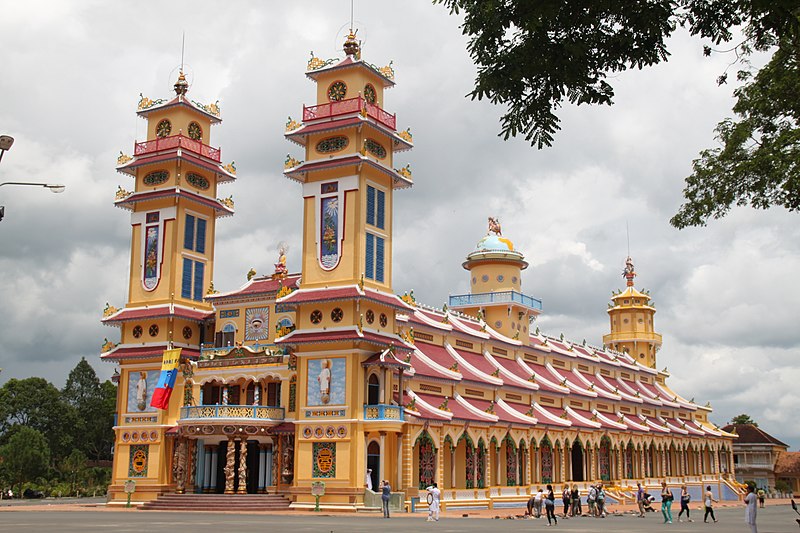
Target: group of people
[
  {"x": 546, "y": 499},
  {"x": 595, "y": 499}
]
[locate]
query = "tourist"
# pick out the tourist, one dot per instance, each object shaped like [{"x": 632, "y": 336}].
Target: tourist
[
  {"x": 434, "y": 496},
  {"x": 600, "y": 502},
  {"x": 666, "y": 502},
  {"x": 386, "y": 494},
  {"x": 709, "y": 503},
  {"x": 750, "y": 510},
  {"x": 640, "y": 499},
  {"x": 565, "y": 498},
  {"x": 591, "y": 500},
  {"x": 761, "y": 497},
  {"x": 530, "y": 505},
  {"x": 685, "y": 499},
  {"x": 550, "y": 506},
  {"x": 538, "y": 499},
  {"x": 575, "y": 495}
]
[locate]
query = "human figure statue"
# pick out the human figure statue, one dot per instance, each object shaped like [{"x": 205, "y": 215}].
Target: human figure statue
[
  {"x": 628, "y": 267},
  {"x": 141, "y": 392},
  {"x": 368, "y": 479},
  {"x": 324, "y": 380},
  {"x": 280, "y": 267},
  {"x": 494, "y": 226}
]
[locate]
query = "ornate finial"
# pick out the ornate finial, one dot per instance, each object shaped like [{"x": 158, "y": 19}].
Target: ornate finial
[
  {"x": 532, "y": 379},
  {"x": 480, "y": 315},
  {"x": 290, "y": 162},
  {"x": 490, "y": 409},
  {"x": 251, "y": 274},
  {"x": 292, "y": 125},
  {"x": 692, "y": 400},
  {"x": 107, "y": 346},
  {"x": 454, "y": 367},
  {"x": 412, "y": 404},
  {"x": 361, "y": 323},
  {"x": 629, "y": 273},
  {"x": 494, "y": 226},
  {"x": 516, "y": 336},
  {"x": 443, "y": 405},
  {"x": 283, "y": 291},
  {"x": 231, "y": 167},
  {"x": 537, "y": 330},
  {"x": 181, "y": 86},
  {"x": 227, "y": 202},
  {"x": 361, "y": 282},
  {"x": 561, "y": 337},
  {"x": 406, "y": 135},
  {"x": 388, "y": 70},
  {"x": 405, "y": 171},
  {"x": 280, "y": 267},
  {"x": 351, "y": 45},
  {"x": 211, "y": 289},
  {"x": 496, "y": 373},
  {"x": 121, "y": 193},
  {"x": 109, "y": 310},
  {"x": 409, "y": 298},
  {"x": 123, "y": 158}
]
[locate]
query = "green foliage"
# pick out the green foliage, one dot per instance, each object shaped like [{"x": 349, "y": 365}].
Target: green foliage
[
  {"x": 743, "y": 419},
  {"x": 95, "y": 405},
  {"x": 533, "y": 57},
  {"x": 25, "y": 456},
  {"x": 781, "y": 485}
]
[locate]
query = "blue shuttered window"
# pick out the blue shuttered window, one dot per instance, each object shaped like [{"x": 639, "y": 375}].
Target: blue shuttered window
[
  {"x": 379, "y": 259},
  {"x": 186, "y": 278},
  {"x": 369, "y": 267},
  {"x": 379, "y": 216},
  {"x": 194, "y": 234},
  {"x": 188, "y": 233},
  {"x": 370, "y": 205},
  {"x": 199, "y": 269}
]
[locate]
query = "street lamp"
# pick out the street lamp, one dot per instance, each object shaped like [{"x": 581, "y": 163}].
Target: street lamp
[{"x": 5, "y": 144}]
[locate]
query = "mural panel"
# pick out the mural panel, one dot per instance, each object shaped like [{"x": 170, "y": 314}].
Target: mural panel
[
  {"x": 140, "y": 390},
  {"x": 256, "y": 326},
  {"x": 324, "y": 459},
  {"x": 326, "y": 381},
  {"x": 137, "y": 463},
  {"x": 329, "y": 220}
]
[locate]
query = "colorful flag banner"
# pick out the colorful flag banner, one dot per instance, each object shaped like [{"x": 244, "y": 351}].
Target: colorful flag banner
[{"x": 166, "y": 381}]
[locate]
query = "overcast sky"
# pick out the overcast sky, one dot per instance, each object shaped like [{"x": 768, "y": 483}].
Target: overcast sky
[{"x": 70, "y": 77}]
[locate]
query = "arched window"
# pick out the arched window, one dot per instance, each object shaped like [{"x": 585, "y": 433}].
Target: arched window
[
  {"x": 373, "y": 390},
  {"x": 226, "y": 337}
]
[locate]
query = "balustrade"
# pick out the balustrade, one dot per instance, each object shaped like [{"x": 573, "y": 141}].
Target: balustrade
[
  {"x": 383, "y": 412},
  {"x": 351, "y": 105},
  {"x": 239, "y": 412},
  {"x": 177, "y": 141}
]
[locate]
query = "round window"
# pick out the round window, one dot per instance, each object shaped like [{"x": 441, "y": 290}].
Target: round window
[
  {"x": 316, "y": 316},
  {"x": 369, "y": 94},
  {"x": 195, "y": 131},
  {"x": 384, "y": 320},
  {"x": 187, "y": 332},
  {"x": 337, "y": 91},
  {"x": 163, "y": 128},
  {"x": 156, "y": 178},
  {"x": 337, "y": 314},
  {"x": 370, "y": 316},
  {"x": 500, "y": 278},
  {"x": 498, "y": 324},
  {"x": 137, "y": 331},
  {"x": 484, "y": 278},
  {"x": 153, "y": 330},
  {"x": 514, "y": 279}
]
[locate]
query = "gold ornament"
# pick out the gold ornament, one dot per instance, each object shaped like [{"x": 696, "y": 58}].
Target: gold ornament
[
  {"x": 291, "y": 162},
  {"x": 292, "y": 125},
  {"x": 109, "y": 310},
  {"x": 231, "y": 168},
  {"x": 121, "y": 193},
  {"x": 123, "y": 158}
]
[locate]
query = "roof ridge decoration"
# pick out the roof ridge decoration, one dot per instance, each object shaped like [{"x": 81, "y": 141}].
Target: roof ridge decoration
[
  {"x": 436, "y": 366},
  {"x": 315, "y": 63},
  {"x": 527, "y": 417},
  {"x": 549, "y": 417},
  {"x": 463, "y": 402},
  {"x": 147, "y": 103},
  {"x": 461, "y": 361}
]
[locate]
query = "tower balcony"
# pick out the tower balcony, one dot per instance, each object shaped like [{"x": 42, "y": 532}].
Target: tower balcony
[
  {"x": 238, "y": 413},
  {"x": 632, "y": 336},
  {"x": 382, "y": 411},
  {"x": 492, "y": 298},
  {"x": 349, "y": 106},
  {"x": 175, "y": 142}
]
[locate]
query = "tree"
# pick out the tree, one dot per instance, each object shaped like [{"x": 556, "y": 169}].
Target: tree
[
  {"x": 744, "y": 419},
  {"x": 25, "y": 456},
  {"x": 95, "y": 405},
  {"x": 533, "y": 56}
]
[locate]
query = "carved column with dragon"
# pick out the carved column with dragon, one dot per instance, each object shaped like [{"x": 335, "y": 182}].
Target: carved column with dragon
[{"x": 230, "y": 461}]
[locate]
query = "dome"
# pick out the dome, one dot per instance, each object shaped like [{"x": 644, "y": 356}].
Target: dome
[{"x": 493, "y": 242}]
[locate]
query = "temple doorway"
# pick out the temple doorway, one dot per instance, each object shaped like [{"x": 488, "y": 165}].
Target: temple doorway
[
  {"x": 374, "y": 463},
  {"x": 577, "y": 461}
]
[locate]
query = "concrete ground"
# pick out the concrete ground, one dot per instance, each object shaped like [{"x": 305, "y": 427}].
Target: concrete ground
[{"x": 90, "y": 515}]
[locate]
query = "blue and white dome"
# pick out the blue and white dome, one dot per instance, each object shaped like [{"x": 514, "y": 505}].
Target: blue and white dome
[{"x": 492, "y": 242}]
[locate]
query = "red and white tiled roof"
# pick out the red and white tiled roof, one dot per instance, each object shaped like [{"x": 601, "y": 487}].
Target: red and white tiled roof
[
  {"x": 129, "y": 314},
  {"x": 128, "y": 352},
  {"x": 343, "y": 334},
  {"x": 343, "y": 293},
  {"x": 256, "y": 286}
]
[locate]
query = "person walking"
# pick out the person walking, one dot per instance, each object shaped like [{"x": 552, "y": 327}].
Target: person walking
[
  {"x": 709, "y": 503},
  {"x": 434, "y": 497},
  {"x": 565, "y": 498},
  {"x": 550, "y": 506},
  {"x": 762, "y": 495},
  {"x": 601, "y": 501},
  {"x": 538, "y": 499},
  {"x": 575, "y": 496},
  {"x": 666, "y": 502},
  {"x": 591, "y": 500},
  {"x": 386, "y": 495},
  {"x": 751, "y": 509},
  {"x": 685, "y": 499},
  {"x": 640, "y": 499}
]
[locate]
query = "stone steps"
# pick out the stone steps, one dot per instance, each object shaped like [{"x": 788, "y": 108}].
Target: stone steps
[{"x": 217, "y": 502}]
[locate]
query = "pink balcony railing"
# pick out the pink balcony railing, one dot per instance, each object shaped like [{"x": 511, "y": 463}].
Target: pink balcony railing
[
  {"x": 177, "y": 141},
  {"x": 351, "y": 105}
]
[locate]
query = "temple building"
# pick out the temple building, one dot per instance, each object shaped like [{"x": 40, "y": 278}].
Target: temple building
[{"x": 327, "y": 375}]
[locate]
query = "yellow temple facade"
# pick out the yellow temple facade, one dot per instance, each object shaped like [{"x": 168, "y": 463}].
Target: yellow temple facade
[{"x": 327, "y": 376}]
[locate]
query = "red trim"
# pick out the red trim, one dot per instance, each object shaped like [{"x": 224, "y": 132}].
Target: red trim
[
  {"x": 424, "y": 369},
  {"x": 129, "y": 314},
  {"x": 130, "y": 353},
  {"x": 176, "y": 142}
]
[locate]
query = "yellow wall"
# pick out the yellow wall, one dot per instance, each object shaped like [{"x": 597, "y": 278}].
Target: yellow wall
[
  {"x": 355, "y": 79},
  {"x": 180, "y": 117}
]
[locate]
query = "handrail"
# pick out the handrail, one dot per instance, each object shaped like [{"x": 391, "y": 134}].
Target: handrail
[
  {"x": 255, "y": 412},
  {"x": 351, "y": 105},
  {"x": 495, "y": 297},
  {"x": 177, "y": 141}
]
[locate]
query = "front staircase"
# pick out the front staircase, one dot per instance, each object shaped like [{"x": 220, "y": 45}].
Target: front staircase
[{"x": 218, "y": 502}]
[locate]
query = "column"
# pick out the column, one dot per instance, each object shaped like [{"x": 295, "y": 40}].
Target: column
[
  {"x": 497, "y": 464},
  {"x": 269, "y": 479},
  {"x": 242, "y": 474},
  {"x": 230, "y": 461},
  {"x": 207, "y": 468},
  {"x": 452, "y": 467},
  {"x": 212, "y": 483},
  {"x": 440, "y": 462},
  {"x": 408, "y": 462},
  {"x": 384, "y": 473},
  {"x": 262, "y": 469},
  {"x": 400, "y": 467},
  {"x": 489, "y": 465}
]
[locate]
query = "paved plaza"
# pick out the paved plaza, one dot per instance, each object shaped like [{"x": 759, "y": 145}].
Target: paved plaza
[{"x": 82, "y": 519}]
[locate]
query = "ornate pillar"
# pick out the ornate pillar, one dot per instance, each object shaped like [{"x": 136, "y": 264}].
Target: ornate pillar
[
  {"x": 225, "y": 394},
  {"x": 440, "y": 461},
  {"x": 408, "y": 462},
  {"x": 179, "y": 464},
  {"x": 400, "y": 467},
  {"x": 384, "y": 474},
  {"x": 489, "y": 465},
  {"x": 563, "y": 461},
  {"x": 452, "y": 467},
  {"x": 192, "y": 456},
  {"x": 242, "y": 477},
  {"x": 230, "y": 461},
  {"x": 212, "y": 482}
]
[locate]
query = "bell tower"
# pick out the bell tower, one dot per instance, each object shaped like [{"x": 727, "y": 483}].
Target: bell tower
[{"x": 631, "y": 316}]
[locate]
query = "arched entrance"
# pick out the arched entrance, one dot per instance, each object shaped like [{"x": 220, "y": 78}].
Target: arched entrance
[
  {"x": 577, "y": 461},
  {"x": 426, "y": 460},
  {"x": 373, "y": 390},
  {"x": 546, "y": 459},
  {"x": 374, "y": 463}
]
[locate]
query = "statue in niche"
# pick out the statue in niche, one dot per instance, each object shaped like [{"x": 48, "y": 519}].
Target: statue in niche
[
  {"x": 324, "y": 380},
  {"x": 141, "y": 392},
  {"x": 281, "y": 271},
  {"x": 179, "y": 466},
  {"x": 288, "y": 459}
]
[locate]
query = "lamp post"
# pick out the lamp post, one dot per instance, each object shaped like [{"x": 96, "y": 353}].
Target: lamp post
[{"x": 5, "y": 144}]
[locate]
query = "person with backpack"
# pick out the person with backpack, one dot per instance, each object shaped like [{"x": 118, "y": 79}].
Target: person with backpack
[
  {"x": 591, "y": 499},
  {"x": 666, "y": 502},
  {"x": 575, "y": 497},
  {"x": 566, "y": 497},
  {"x": 550, "y": 506},
  {"x": 600, "y": 502},
  {"x": 685, "y": 499}
]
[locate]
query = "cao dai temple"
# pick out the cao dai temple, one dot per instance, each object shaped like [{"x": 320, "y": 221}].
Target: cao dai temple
[{"x": 328, "y": 376}]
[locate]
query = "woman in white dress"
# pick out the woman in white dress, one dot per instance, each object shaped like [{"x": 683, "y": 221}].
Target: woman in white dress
[{"x": 750, "y": 511}]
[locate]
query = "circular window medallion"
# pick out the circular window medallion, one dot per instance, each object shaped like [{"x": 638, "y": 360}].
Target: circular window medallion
[
  {"x": 484, "y": 278},
  {"x": 625, "y": 321},
  {"x": 370, "y": 316},
  {"x": 474, "y": 280},
  {"x": 154, "y": 435},
  {"x": 341, "y": 432},
  {"x": 163, "y": 128},
  {"x": 316, "y": 316},
  {"x": 319, "y": 432},
  {"x": 195, "y": 131},
  {"x": 500, "y": 278},
  {"x": 332, "y": 144},
  {"x": 513, "y": 325},
  {"x": 498, "y": 324},
  {"x": 369, "y": 94},
  {"x": 330, "y": 432},
  {"x": 137, "y": 331},
  {"x": 197, "y": 180},
  {"x": 307, "y": 432},
  {"x": 153, "y": 330},
  {"x": 337, "y": 314},
  {"x": 337, "y": 91},
  {"x": 187, "y": 332},
  {"x": 514, "y": 279},
  {"x": 375, "y": 148},
  {"x": 156, "y": 178},
  {"x": 384, "y": 320},
  {"x": 126, "y": 437}
]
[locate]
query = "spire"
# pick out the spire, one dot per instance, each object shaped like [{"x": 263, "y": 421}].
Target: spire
[
  {"x": 351, "y": 45},
  {"x": 629, "y": 273},
  {"x": 181, "y": 86}
]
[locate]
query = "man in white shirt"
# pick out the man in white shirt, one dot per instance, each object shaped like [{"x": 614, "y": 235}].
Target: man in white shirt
[{"x": 434, "y": 497}]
